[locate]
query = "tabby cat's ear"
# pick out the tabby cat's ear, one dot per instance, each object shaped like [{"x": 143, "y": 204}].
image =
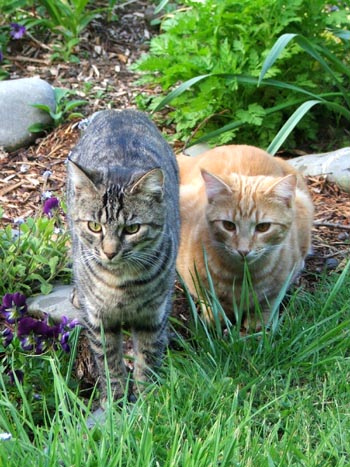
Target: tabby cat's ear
[
  {"x": 150, "y": 184},
  {"x": 80, "y": 179},
  {"x": 214, "y": 186},
  {"x": 284, "y": 189}
]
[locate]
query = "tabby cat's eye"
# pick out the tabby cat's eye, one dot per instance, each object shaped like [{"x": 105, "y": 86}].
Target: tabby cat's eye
[
  {"x": 262, "y": 227},
  {"x": 229, "y": 226},
  {"x": 94, "y": 227},
  {"x": 131, "y": 229}
]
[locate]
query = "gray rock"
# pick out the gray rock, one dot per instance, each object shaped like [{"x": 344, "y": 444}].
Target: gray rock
[
  {"x": 56, "y": 304},
  {"x": 17, "y": 113},
  {"x": 335, "y": 165},
  {"x": 196, "y": 149}
]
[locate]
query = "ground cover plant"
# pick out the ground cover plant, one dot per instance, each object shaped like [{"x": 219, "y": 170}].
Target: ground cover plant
[
  {"x": 65, "y": 19},
  {"x": 218, "y": 50}
]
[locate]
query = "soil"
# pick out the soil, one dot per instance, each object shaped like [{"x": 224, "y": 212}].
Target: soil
[{"x": 104, "y": 79}]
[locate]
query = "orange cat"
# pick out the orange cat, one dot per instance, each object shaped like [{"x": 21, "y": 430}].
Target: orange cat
[{"x": 242, "y": 205}]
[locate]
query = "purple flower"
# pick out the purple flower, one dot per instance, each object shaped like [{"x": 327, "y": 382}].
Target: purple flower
[
  {"x": 27, "y": 343},
  {"x": 7, "y": 337},
  {"x": 28, "y": 325},
  {"x": 13, "y": 306},
  {"x": 17, "y": 30},
  {"x": 15, "y": 374},
  {"x": 49, "y": 205},
  {"x": 65, "y": 342},
  {"x": 1, "y": 56}
]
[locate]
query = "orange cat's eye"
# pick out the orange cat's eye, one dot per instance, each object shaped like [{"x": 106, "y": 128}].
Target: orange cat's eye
[
  {"x": 132, "y": 229},
  {"x": 94, "y": 227},
  {"x": 263, "y": 227},
  {"x": 229, "y": 226}
]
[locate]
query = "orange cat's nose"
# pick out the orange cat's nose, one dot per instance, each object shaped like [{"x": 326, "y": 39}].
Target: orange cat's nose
[{"x": 243, "y": 253}]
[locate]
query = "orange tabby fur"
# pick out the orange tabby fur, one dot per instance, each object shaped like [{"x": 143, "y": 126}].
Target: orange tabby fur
[{"x": 245, "y": 189}]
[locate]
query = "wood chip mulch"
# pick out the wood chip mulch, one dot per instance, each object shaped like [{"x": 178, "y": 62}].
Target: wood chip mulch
[{"x": 27, "y": 173}]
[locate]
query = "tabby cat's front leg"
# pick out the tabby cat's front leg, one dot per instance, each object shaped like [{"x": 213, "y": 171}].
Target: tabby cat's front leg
[
  {"x": 111, "y": 351},
  {"x": 150, "y": 342}
]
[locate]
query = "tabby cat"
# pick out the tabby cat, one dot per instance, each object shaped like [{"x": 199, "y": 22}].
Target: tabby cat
[
  {"x": 244, "y": 207},
  {"x": 123, "y": 209}
]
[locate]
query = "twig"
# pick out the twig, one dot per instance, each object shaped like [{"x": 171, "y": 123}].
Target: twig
[
  {"x": 331, "y": 225},
  {"x": 6, "y": 190},
  {"x": 19, "y": 58}
]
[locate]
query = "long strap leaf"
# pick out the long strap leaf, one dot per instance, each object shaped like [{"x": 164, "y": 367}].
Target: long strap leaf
[
  {"x": 290, "y": 124},
  {"x": 243, "y": 79},
  {"x": 312, "y": 50}
]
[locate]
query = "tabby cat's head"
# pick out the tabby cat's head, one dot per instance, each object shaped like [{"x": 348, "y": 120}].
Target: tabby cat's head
[
  {"x": 249, "y": 216},
  {"x": 118, "y": 215}
]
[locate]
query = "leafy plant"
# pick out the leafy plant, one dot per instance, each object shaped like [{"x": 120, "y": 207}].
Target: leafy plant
[
  {"x": 34, "y": 255},
  {"x": 68, "y": 18},
  {"x": 220, "y": 66},
  {"x": 65, "y": 109},
  {"x": 25, "y": 344}
]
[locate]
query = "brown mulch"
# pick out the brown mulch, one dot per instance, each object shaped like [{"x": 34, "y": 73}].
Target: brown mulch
[{"x": 24, "y": 180}]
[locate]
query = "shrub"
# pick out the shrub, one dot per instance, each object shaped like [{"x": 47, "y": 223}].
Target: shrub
[{"x": 235, "y": 37}]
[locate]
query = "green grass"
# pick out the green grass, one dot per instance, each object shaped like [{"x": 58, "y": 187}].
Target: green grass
[{"x": 270, "y": 399}]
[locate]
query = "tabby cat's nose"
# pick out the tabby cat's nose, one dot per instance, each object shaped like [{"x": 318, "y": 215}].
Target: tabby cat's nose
[{"x": 110, "y": 254}]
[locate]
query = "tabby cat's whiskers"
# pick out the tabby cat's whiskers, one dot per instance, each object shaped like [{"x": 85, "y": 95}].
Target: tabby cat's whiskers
[{"x": 123, "y": 211}]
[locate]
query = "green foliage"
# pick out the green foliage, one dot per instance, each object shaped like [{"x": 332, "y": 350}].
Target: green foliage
[
  {"x": 220, "y": 48},
  {"x": 33, "y": 256},
  {"x": 27, "y": 380},
  {"x": 279, "y": 399},
  {"x": 65, "y": 109},
  {"x": 65, "y": 19}
]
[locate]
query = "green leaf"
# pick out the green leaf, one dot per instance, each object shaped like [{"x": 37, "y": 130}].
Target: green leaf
[
  {"x": 275, "y": 52},
  {"x": 74, "y": 104},
  {"x": 46, "y": 288},
  {"x": 37, "y": 128},
  {"x": 179, "y": 90},
  {"x": 53, "y": 264},
  {"x": 290, "y": 124}
]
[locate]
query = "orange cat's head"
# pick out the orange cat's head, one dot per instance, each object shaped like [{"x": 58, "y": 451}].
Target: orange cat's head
[{"x": 248, "y": 216}]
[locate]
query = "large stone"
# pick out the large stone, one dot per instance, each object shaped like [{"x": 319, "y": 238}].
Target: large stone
[
  {"x": 56, "y": 304},
  {"x": 17, "y": 113},
  {"x": 335, "y": 165}
]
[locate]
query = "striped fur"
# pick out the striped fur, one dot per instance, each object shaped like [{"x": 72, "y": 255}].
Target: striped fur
[
  {"x": 228, "y": 197},
  {"x": 122, "y": 196}
]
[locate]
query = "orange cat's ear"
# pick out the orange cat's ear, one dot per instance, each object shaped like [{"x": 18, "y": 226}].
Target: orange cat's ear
[
  {"x": 214, "y": 186},
  {"x": 284, "y": 188}
]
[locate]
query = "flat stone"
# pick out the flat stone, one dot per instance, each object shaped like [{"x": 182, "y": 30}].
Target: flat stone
[
  {"x": 17, "y": 113},
  {"x": 335, "y": 165},
  {"x": 56, "y": 304},
  {"x": 196, "y": 149}
]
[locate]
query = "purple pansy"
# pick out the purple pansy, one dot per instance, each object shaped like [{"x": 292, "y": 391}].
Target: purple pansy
[
  {"x": 16, "y": 375},
  {"x": 65, "y": 342},
  {"x": 34, "y": 334},
  {"x": 7, "y": 337},
  {"x": 17, "y": 30},
  {"x": 13, "y": 306},
  {"x": 49, "y": 205}
]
